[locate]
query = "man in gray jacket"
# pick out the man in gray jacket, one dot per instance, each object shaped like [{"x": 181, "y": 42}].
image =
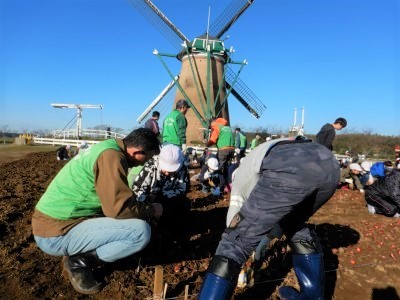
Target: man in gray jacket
[{"x": 280, "y": 182}]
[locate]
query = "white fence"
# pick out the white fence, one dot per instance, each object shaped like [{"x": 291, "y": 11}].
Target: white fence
[{"x": 92, "y": 133}]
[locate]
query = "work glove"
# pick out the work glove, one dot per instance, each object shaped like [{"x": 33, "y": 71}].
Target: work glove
[
  {"x": 362, "y": 191},
  {"x": 237, "y": 150},
  {"x": 217, "y": 192},
  {"x": 350, "y": 181},
  {"x": 207, "y": 175}
]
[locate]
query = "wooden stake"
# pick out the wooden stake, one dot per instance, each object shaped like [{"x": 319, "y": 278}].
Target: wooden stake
[
  {"x": 186, "y": 292},
  {"x": 158, "y": 283}
]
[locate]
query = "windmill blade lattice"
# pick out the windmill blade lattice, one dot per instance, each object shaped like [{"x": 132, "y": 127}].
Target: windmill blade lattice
[
  {"x": 243, "y": 94},
  {"x": 159, "y": 21},
  {"x": 229, "y": 16}
]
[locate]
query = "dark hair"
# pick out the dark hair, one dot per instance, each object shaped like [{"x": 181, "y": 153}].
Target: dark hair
[
  {"x": 181, "y": 104},
  {"x": 144, "y": 138},
  {"x": 156, "y": 114},
  {"x": 237, "y": 129},
  {"x": 341, "y": 121},
  {"x": 387, "y": 163}
]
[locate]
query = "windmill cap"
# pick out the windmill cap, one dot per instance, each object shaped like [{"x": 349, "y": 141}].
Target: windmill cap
[{"x": 170, "y": 158}]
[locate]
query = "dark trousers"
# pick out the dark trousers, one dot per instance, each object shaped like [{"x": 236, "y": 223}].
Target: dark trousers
[
  {"x": 224, "y": 157},
  {"x": 296, "y": 180},
  {"x": 383, "y": 205}
]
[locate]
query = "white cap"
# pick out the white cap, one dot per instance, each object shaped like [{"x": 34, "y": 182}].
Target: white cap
[
  {"x": 212, "y": 163},
  {"x": 366, "y": 165},
  {"x": 355, "y": 166},
  {"x": 170, "y": 158}
]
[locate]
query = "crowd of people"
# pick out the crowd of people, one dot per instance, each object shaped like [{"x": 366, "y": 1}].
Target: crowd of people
[{"x": 102, "y": 206}]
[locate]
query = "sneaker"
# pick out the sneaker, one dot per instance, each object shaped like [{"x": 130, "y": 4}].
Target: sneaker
[{"x": 371, "y": 209}]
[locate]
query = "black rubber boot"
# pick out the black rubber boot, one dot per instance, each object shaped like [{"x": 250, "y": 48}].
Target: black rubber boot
[{"x": 80, "y": 272}]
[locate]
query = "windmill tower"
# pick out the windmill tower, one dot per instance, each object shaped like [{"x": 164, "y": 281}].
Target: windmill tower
[{"x": 205, "y": 80}]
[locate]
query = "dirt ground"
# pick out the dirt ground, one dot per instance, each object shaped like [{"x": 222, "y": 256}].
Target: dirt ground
[{"x": 362, "y": 251}]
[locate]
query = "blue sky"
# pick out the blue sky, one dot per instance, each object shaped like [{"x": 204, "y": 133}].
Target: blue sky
[{"x": 336, "y": 58}]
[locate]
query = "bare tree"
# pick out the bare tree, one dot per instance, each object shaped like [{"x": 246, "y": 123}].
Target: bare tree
[{"x": 4, "y": 130}]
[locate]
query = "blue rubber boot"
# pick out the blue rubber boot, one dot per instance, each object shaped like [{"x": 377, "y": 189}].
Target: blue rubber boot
[
  {"x": 309, "y": 269},
  {"x": 220, "y": 280}
]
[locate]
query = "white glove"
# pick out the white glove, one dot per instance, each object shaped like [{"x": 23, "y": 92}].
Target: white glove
[
  {"x": 217, "y": 192},
  {"x": 184, "y": 147},
  {"x": 362, "y": 191},
  {"x": 237, "y": 150},
  {"x": 206, "y": 175},
  {"x": 349, "y": 180}
]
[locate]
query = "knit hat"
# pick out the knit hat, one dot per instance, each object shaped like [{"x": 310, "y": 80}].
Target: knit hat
[
  {"x": 212, "y": 163},
  {"x": 356, "y": 167},
  {"x": 366, "y": 165},
  {"x": 170, "y": 158}
]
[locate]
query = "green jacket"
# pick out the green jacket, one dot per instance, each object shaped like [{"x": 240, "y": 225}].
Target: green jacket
[
  {"x": 241, "y": 140},
  {"x": 254, "y": 143},
  {"x": 174, "y": 128},
  {"x": 225, "y": 138},
  {"x": 72, "y": 193}
]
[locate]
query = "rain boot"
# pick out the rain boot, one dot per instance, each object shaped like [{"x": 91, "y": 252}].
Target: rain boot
[
  {"x": 309, "y": 269},
  {"x": 220, "y": 280},
  {"x": 80, "y": 272}
]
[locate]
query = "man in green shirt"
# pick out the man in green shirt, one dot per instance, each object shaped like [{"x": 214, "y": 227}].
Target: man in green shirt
[
  {"x": 174, "y": 126},
  {"x": 88, "y": 213}
]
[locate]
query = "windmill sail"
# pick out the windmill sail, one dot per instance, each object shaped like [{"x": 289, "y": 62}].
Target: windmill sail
[{"x": 229, "y": 16}]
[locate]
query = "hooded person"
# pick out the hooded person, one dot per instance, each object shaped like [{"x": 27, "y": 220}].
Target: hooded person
[
  {"x": 163, "y": 179},
  {"x": 63, "y": 152},
  {"x": 210, "y": 177},
  {"x": 383, "y": 195}
]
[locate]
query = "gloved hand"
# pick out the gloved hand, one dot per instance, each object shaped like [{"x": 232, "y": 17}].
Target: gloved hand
[
  {"x": 362, "y": 191},
  {"x": 217, "y": 192},
  {"x": 237, "y": 150},
  {"x": 184, "y": 147},
  {"x": 207, "y": 175},
  {"x": 350, "y": 181}
]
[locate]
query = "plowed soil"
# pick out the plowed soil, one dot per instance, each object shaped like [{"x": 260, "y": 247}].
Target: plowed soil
[{"x": 361, "y": 251}]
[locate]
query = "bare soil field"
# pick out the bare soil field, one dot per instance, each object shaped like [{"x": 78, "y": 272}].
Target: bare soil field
[{"x": 361, "y": 251}]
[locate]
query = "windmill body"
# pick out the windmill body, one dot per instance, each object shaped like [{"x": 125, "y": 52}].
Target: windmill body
[{"x": 202, "y": 79}]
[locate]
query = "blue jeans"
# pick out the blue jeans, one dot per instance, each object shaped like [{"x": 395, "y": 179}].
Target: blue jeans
[{"x": 112, "y": 238}]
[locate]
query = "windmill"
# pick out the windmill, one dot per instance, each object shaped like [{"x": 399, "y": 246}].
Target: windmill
[{"x": 205, "y": 80}]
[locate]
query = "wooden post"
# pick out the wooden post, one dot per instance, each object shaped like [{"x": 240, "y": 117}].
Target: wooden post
[
  {"x": 158, "y": 283},
  {"x": 186, "y": 292}
]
